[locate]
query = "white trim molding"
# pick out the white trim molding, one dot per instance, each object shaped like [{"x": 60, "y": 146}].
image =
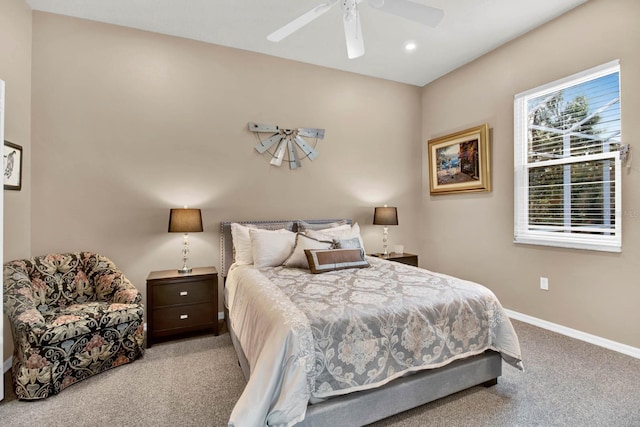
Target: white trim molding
[{"x": 573, "y": 333}]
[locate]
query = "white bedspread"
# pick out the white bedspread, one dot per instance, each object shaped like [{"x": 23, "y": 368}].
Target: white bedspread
[{"x": 313, "y": 336}]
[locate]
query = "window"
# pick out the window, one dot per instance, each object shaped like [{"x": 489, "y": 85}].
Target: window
[{"x": 567, "y": 162}]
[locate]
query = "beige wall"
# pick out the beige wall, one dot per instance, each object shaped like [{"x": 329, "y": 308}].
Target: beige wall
[
  {"x": 470, "y": 235},
  {"x": 15, "y": 70},
  {"x": 128, "y": 124}
]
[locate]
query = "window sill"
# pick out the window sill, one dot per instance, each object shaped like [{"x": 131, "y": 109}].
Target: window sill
[{"x": 615, "y": 248}]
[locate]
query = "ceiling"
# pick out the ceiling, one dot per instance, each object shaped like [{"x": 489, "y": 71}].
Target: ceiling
[{"x": 469, "y": 29}]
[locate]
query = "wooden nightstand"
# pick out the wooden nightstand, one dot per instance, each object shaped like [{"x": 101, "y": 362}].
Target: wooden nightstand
[
  {"x": 404, "y": 258},
  {"x": 179, "y": 303}
]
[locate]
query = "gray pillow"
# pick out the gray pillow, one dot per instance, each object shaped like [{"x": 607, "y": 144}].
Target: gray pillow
[{"x": 353, "y": 243}]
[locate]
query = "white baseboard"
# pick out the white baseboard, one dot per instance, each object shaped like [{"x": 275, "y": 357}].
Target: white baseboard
[{"x": 573, "y": 333}]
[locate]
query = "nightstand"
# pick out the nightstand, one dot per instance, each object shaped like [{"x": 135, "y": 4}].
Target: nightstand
[
  {"x": 179, "y": 303},
  {"x": 404, "y": 258}
]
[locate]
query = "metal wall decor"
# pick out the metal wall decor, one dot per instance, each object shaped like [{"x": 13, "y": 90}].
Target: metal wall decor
[{"x": 286, "y": 140}]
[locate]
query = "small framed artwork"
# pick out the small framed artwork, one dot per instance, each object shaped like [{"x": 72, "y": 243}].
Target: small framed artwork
[
  {"x": 12, "y": 166},
  {"x": 459, "y": 162}
]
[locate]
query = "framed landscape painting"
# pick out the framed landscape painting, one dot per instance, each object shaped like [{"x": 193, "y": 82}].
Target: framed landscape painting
[
  {"x": 12, "y": 166},
  {"x": 460, "y": 162}
]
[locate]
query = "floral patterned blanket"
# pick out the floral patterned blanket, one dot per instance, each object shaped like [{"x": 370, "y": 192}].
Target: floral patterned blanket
[{"x": 360, "y": 328}]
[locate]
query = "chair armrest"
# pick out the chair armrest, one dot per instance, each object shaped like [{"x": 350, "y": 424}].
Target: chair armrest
[
  {"x": 110, "y": 283},
  {"x": 19, "y": 303}
]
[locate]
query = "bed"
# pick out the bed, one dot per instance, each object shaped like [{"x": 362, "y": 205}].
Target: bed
[{"x": 310, "y": 359}]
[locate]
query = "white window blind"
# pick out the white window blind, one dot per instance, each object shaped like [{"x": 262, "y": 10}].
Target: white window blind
[{"x": 567, "y": 162}]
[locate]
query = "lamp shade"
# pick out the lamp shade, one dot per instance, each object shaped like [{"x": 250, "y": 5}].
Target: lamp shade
[
  {"x": 185, "y": 221},
  {"x": 386, "y": 215}
]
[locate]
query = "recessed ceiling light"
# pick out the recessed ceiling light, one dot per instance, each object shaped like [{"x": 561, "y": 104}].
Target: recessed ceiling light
[{"x": 410, "y": 46}]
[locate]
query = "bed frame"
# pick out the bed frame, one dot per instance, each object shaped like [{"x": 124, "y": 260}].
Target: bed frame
[{"x": 365, "y": 407}]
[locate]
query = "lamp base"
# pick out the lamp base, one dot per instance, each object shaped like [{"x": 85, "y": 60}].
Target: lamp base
[
  {"x": 385, "y": 239},
  {"x": 185, "y": 255}
]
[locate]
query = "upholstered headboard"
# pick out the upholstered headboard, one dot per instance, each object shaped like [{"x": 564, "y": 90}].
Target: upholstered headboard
[{"x": 226, "y": 243}]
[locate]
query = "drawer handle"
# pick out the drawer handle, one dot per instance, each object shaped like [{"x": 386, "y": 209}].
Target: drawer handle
[
  {"x": 184, "y": 316},
  {"x": 184, "y": 293}
]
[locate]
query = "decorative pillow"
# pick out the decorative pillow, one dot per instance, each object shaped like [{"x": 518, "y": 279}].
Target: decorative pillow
[
  {"x": 323, "y": 260},
  {"x": 271, "y": 248},
  {"x": 242, "y": 252},
  {"x": 297, "y": 258},
  {"x": 304, "y": 226},
  {"x": 338, "y": 233}
]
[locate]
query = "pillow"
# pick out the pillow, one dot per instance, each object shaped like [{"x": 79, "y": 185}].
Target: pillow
[
  {"x": 323, "y": 260},
  {"x": 241, "y": 243},
  {"x": 352, "y": 243},
  {"x": 271, "y": 248},
  {"x": 304, "y": 226},
  {"x": 297, "y": 258},
  {"x": 338, "y": 233},
  {"x": 242, "y": 253}
]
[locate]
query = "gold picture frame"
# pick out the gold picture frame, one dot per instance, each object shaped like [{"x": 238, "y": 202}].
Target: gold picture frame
[{"x": 459, "y": 162}]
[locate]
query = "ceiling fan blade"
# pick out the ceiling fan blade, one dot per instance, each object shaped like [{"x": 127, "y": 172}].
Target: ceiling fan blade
[
  {"x": 407, "y": 9},
  {"x": 300, "y": 21},
  {"x": 353, "y": 34}
]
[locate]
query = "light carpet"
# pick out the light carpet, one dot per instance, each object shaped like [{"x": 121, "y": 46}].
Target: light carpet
[{"x": 196, "y": 382}]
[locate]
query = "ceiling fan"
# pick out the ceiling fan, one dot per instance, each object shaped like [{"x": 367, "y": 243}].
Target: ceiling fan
[{"x": 408, "y": 9}]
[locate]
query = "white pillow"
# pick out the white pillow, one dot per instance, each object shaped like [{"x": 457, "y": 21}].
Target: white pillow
[
  {"x": 337, "y": 233},
  {"x": 271, "y": 248},
  {"x": 242, "y": 243},
  {"x": 297, "y": 258}
]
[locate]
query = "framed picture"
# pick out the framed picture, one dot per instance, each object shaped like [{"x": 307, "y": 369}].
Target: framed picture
[
  {"x": 12, "y": 166},
  {"x": 460, "y": 162}
]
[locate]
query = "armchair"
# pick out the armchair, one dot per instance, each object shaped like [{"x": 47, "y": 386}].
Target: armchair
[{"x": 72, "y": 316}]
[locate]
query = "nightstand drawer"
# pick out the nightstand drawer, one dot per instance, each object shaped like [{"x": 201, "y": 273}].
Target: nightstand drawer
[
  {"x": 179, "y": 317},
  {"x": 182, "y": 293}
]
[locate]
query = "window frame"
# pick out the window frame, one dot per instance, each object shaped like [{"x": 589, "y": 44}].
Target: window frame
[{"x": 526, "y": 233}]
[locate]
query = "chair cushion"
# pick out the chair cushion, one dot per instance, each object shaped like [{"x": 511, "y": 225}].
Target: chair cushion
[{"x": 80, "y": 319}]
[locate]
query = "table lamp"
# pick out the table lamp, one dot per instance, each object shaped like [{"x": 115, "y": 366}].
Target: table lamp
[
  {"x": 185, "y": 221},
  {"x": 386, "y": 215}
]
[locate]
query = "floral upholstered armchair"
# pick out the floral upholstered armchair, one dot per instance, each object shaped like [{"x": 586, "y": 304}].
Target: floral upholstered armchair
[{"x": 72, "y": 316}]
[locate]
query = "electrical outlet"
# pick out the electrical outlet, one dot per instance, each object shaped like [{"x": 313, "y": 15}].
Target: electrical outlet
[{"x": 544, "y": 283}]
